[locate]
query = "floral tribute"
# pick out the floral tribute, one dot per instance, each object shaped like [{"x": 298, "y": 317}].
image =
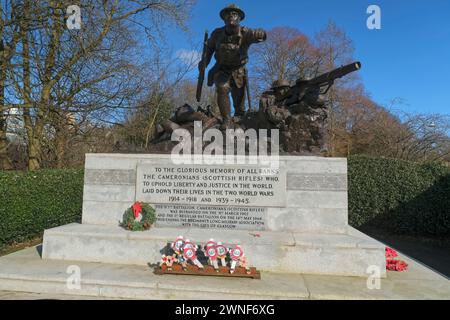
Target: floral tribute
[
  {"x": 184, "y": 258},
  {"x": 139, "y": 217},
  {"x": 391, "y": 263}
]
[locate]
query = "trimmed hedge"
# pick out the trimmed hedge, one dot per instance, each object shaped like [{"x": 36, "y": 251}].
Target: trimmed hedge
[
  {"x": 31, "y": 202},
  {"x": 399, "y": 196},
  {"x": 394, "y": 195}
]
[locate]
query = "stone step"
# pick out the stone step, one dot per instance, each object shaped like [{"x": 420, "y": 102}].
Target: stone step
[
  {"x": 25, "y": 271},
  {"x": 334, "y": 254}
]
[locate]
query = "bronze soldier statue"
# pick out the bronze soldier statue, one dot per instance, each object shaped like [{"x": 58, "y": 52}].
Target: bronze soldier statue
[
  {"x": 272, "y": 104},
  {"x": 277, "y": 94},
  {"x": 273, "y": 113},
  {"x": 230, "y": 45}
]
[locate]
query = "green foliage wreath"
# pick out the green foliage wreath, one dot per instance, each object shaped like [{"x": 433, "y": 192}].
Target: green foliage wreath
[{"x": 148, "y": 217}]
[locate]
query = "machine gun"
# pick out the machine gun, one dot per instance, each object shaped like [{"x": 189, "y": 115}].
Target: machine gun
[{"x": 316, "y": 85}]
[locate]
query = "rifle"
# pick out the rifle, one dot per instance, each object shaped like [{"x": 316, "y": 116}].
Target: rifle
[
  {"x": 327, "y": 79},
  {"x": 201, "y": 75}
]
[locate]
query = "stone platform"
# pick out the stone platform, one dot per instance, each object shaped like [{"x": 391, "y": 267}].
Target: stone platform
[
  {"x": 294, "y": 252},
  {"x": 292, "y": 221},
  {"x": 24, "y": 275}
]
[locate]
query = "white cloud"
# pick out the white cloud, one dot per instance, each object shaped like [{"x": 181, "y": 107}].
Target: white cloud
[{"x": 188, "y": 57}]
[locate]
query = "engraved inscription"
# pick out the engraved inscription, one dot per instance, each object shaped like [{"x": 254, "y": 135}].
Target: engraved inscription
[
  {"x": 197, "y": 216},
  {"x": 211, "y": 185}
]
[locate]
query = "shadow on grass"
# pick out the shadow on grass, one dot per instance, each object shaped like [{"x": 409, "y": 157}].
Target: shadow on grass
[
  {"x": 20, "y": 246},
  {"x": 430, "y": 252},
  {"x": 419, "y": 228},
  {"x": 39, "y": 250}
]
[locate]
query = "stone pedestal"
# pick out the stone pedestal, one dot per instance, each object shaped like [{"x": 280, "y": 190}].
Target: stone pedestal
[{"x": 292, "y": 221}]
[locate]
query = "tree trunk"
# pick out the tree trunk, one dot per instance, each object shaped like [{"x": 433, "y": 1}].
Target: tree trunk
[
  {"x": 34, "y": 146},
  {"x": 60, "y": 144},
  {"x": 5, "y": 163},
  {"x": 34, "y": 155}
]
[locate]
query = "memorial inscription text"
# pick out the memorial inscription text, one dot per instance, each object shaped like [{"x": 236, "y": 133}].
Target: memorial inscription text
[
  {"x": 211, "y": 217},
  {"x": 211, "y": 185}
]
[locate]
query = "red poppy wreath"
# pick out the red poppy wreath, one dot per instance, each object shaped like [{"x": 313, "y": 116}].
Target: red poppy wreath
[{"x": 139, "y": 217}]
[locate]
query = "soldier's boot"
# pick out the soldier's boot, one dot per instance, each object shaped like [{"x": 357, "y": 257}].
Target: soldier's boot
[
  {"x": 238, "y": 95},
  {"x": 223, "y": 100},
  {"x": 170, "y": 126},
  {"x": 209, "y": 122},
  {"x": 227, "y": 123}
]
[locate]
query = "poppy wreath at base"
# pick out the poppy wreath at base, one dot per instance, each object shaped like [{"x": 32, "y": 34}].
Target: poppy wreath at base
[
  {"x": 396, "y": 265},
  {"x": 391, "y": 263},
  {"x": 139, "y": 217}
]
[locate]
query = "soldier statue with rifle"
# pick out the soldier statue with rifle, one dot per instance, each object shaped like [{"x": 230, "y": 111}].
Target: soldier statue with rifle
[
  {"x": 229, "y": 45},
  {"x": 300, "y": 111}
]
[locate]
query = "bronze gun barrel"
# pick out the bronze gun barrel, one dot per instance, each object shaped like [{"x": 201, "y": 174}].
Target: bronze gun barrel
[
  {"x": 329, "y": 77},
  {"x": 297, "y": 92}
]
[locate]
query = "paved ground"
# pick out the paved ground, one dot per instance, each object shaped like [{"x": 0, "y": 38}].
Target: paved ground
[
  {"x": 25, "y": 271},
  {"x": 11, "y": 295},
  {"x": 435, "y": 254}
]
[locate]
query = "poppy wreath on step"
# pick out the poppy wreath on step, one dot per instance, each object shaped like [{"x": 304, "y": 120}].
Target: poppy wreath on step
[
  {"x": 139, "y": 217},
  {"x": 391, "y": 263}
]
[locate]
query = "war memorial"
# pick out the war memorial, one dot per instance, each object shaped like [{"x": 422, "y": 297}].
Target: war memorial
[
  {"x": 299, "y": 208},
  {"x": 254, "y": 184}
]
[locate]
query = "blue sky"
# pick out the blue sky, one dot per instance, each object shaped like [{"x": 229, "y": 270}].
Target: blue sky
[{"x": 409, "y": 58}]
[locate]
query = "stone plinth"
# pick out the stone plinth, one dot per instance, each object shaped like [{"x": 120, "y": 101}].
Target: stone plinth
[
  {"x": 303, "y": 230},
  {"x": 315, "y": 191}
]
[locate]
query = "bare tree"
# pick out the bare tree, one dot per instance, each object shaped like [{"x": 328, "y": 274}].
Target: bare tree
[
  {"x": 425, "y": 137},
  {"x": 164, "y": 93},
  {"x": 61, "y": 77},
  {"x": 286, "y": 54},
  {"x": 8, "y": 41}
]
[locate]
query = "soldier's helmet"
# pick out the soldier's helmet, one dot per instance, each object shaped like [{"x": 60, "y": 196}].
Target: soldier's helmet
[
  {"x": 232, "y": 7},
  {"x": 280, "y": 84}
]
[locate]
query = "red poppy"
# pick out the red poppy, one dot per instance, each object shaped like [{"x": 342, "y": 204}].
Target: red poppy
[
  {"x": 396, "y": 265},
  {"x": 391, "y": 264},
  {"x": 390, "y": 253}
]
